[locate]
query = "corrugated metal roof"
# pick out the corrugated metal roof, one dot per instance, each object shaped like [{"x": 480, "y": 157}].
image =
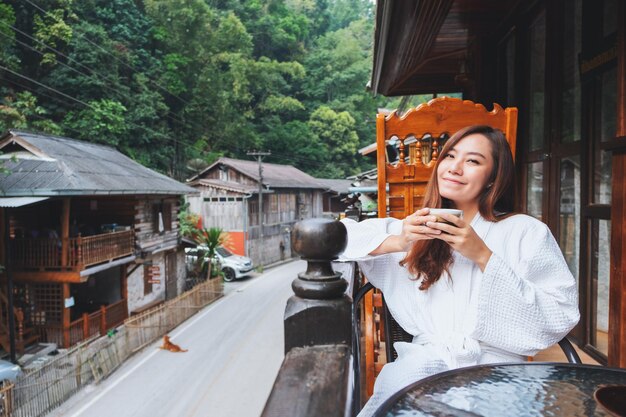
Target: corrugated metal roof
[
  {"x": 274, "y": 175},
  {"x": 20, "y": 201},
  {"x": 230, "y": 186},
  {"x": 338, "y": 186},
  {"x": 72, "y": 167}
]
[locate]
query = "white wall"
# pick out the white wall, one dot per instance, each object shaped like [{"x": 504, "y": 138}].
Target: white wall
[{"x": 136, "y": 298}]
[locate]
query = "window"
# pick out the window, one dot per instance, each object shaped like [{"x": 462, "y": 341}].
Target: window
[{"x": 161, "y": 217}]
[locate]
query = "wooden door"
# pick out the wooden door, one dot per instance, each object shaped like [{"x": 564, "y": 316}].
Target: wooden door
[{"x": 171, "y": 276}]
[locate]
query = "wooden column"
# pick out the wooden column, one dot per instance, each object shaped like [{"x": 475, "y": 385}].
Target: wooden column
[
  {"x": 66, "y": 315},
  {"x": 2, "y": 232},
  {"x": 319, "y": 313},
  {"x": 617, "y": 290},
  {"x": 315, "y": 377},
  {"x": 85, "y": 326},
  {"x": 103, "y": 320},
  {"x": 65, "y": 231}
]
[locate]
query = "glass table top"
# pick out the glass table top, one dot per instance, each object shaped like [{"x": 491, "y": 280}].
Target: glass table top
[{"x": 529, "y": 389}]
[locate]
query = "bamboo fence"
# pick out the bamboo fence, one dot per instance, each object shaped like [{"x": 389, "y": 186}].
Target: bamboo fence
[{"x": 39, "y": 391}]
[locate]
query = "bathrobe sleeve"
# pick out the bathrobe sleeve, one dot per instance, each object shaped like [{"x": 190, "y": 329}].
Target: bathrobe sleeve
[
  {"x": 528, "y": 298},
  {"x": 364, "y": 237}
]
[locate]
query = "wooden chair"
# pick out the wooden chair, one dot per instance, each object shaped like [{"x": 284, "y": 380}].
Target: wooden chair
[{"x": 419, "y": 135}]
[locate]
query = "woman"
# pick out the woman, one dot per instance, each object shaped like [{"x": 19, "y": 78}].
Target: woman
[{"x": 489, "y": 287}]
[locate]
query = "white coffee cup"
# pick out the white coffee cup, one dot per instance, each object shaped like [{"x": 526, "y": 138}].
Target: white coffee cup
[{"x": 438, "y": 211}]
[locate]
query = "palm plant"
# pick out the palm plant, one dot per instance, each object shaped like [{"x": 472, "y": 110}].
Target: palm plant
[{"x": 210, "y": 239}]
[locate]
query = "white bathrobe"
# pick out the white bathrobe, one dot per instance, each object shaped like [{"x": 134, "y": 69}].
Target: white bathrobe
[{"x": 525, "y": 300}]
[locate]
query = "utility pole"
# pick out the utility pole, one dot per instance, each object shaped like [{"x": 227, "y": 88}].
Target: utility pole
[{"x": 259, "y": 155}]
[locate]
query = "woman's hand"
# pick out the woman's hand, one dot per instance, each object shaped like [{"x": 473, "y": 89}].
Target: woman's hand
[
  {"x": 414, "y": 228},
  {"x": 462, "y": 238}
]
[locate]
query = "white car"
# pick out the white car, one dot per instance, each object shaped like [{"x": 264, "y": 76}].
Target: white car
[{"x": 232, "y": 266}]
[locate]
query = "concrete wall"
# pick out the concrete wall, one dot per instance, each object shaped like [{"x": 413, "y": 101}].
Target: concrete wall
[
  {"x": 136, "y": 297},
  {"x": 267, "y": 251},
  {"x": 181, "y": 271}
]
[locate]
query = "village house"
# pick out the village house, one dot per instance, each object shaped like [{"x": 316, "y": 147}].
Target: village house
[
  {"x": 229, "y": 199},
  {"x": 92, "y": 237}
]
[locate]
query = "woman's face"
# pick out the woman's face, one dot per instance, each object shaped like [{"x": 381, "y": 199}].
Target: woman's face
[{"x": 463, "y": 173}]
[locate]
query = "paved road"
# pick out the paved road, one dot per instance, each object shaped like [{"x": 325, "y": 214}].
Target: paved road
[{"x": 235, "y": 350}]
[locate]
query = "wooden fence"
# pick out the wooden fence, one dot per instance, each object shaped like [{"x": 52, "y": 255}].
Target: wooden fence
[{"x": 41, "y": 390}]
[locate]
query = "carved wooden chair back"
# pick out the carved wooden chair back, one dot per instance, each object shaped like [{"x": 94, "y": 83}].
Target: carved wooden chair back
[{"x": 419, "y": 135}]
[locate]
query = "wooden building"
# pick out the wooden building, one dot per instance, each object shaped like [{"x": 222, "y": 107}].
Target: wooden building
[
  {"x": 229, "y": 199},
  {"x": 562, "y": 63},
  {"x": 92, "y": 236}
]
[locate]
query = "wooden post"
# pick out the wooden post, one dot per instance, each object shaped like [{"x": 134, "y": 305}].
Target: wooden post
[
  {"x": 315, "y": 376},
  {"x": 103, "y": 320},
  {"x": 65, "y": 231},
  {"x": 124, "y": 289},
  {"x": 79, "y": 252},
  {"x": 319, "y": 313},
  {"x": 66, "y": 314},
  {"x": 2, "y": 232},
  {"x": 85, "y": 326},
  {"x": 617, "y": 288}
]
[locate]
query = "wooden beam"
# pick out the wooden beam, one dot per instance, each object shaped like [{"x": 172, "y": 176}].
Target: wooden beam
[
  {"x": 2, "y": 232},
  {"x": 66, "y": 315},
  {"x": 621, "y": 70},
  {"x": 72, "y": 277},
  {"x": 65, "y": 231},
  {"x": 294, "y": 393},
  {"x": 617, "y": 288}
]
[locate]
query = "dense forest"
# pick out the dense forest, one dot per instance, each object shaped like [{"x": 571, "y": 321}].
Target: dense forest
[{"x": 175, "y": 84}]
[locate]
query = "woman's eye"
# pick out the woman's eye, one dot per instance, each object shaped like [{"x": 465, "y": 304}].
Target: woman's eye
[
  {"x": 448, "y": 156},
  {"x": 473, "y": 161}
]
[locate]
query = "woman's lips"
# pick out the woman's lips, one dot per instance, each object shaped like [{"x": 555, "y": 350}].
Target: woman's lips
[{"x": 453, "y": 181}]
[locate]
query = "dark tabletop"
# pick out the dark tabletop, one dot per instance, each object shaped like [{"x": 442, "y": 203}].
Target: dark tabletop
[{"x": 527, "y": 389}]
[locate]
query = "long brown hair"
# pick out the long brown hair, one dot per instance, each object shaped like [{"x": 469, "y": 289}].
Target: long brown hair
[{"x": 428, "y": 259}]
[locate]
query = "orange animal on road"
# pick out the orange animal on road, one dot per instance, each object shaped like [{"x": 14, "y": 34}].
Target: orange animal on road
[{"x": 168, "y": 345}]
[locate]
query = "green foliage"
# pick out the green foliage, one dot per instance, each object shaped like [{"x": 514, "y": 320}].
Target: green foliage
[
  {"x": 51, "y": 29},
  {"x": 188, "y": 224},
  {"x": 336, "y": 132},
  {"x": 175, "y": 84},
  {"x": 23, "y": 112},
  {"x": 209, "y": 240},
  {"x": 102, "y": 122},
  {"x": 8, "y": 57}
]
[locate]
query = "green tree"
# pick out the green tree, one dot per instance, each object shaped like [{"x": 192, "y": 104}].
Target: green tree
[
  {"x": 336, "y": 133},
  {"x": 8, "y": 57},
  {"x": 102, "y": 122},
  {"x": 21, "y": 111}
]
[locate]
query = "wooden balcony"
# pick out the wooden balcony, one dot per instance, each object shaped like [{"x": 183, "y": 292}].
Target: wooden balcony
[{"x": 73, "y": 254}]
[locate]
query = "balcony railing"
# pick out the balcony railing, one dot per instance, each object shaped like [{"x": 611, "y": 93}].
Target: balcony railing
[
  {"x": 80, "y": 253},
  {"x": 89, "y": 325}
]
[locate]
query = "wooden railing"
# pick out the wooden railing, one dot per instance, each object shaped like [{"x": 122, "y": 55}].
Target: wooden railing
[
  {"x": 89, "y": 325},
  {"x": 81, "y": 251},
  {"x": 318, "y": 331}
]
